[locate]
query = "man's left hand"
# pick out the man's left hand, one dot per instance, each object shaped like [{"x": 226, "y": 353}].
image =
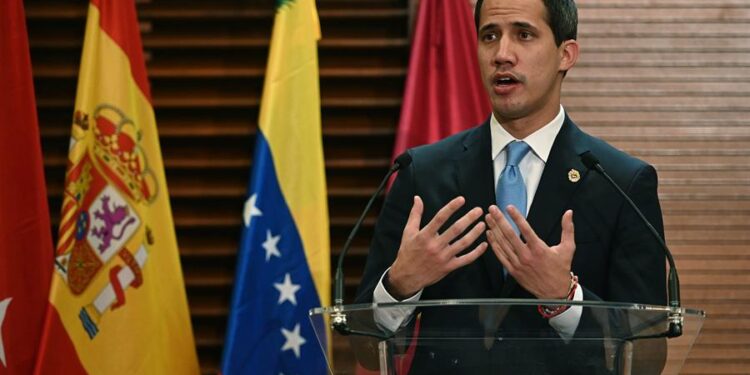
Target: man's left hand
[{"x": 542, "y": 270}]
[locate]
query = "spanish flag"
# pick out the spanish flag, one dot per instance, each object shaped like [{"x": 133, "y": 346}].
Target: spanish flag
[
  {"x": 117, "y": 300},
  {"x": 283, "y": 267}
]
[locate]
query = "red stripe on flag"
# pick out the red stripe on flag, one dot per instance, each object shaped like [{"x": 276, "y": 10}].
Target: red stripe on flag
[
  {"x": 69, "y": 206},
  {"x": 57, "y": 355},
  {"x": 118, "y": 18},
  {"x": 64, "y": 245},
  {"x": 67, "y": 224},
  {"x": 116, "y": 286},
  {"x": 66, "y": 236}
]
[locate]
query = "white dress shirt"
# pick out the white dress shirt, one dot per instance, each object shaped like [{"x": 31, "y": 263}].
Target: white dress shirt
[{"x": 531, "y": 167}]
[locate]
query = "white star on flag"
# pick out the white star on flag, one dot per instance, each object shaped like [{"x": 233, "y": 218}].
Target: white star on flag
[
  {"x": 250, "y": 210},
  {"x": 4, "y": 307},
  {"x": 293, "y": 340},
  {"x": 287, "y": 290},
  {"x": 270, "y": 245}
]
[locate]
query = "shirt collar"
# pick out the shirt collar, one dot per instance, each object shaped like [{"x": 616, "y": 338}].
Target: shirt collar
[{"x": 540, "y": 141}]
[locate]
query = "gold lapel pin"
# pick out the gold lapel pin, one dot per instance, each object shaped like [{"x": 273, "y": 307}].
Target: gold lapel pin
[{"x": 574, "y": 175}]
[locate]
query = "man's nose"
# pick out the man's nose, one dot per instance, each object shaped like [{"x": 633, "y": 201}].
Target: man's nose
[{"x": 505, "y": 54}]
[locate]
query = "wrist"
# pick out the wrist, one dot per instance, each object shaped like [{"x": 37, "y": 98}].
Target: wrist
[
  {"x": 551, "y": 311},
  {"x": 569, "y": 284},
  {"x": 395, "y": 286}
]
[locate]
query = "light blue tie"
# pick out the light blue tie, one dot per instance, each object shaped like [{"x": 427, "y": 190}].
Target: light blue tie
[{"x": 510, "y": 188}]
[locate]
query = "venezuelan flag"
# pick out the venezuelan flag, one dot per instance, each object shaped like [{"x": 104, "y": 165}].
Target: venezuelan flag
[
  {"x": 283, "y": 265},
  {"x": 118, "y": 303}
]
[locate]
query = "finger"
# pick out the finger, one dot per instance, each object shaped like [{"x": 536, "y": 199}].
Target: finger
[
  {"x": 533, "y": 246},
  {"x": 499, "y": 252},
  {"x": 467, "y": 239},
  {"x": 415, "y": 216},
  {"x": 517, "y": 249},
  {"x": 444, "y": 214},
  {"x": 489, "y": 219},
  {"x": 568, "y": 229},
  {"x": 499, "y": 243},
  {"x": 460, "y": 225},
  {"x": 493, "y": 218},
  {"x": 523, "y": 226},
  {"x": 469, "y": 257},
  {"x": 496, "y": 216},
  {"x": 512, "y": 253},
  {"x": 505, "y": 228}
]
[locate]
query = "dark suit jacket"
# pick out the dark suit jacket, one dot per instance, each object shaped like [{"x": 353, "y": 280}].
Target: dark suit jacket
[{"x": 616, "y": 258}]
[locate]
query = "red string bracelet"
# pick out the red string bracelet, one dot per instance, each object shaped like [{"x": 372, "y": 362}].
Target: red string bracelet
[{"x": 551, "y": 311}]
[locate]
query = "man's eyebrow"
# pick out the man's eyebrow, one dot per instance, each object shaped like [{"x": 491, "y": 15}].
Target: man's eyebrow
[
  {"x": 516, "y": 24},
  {"x": 524, "y": 25},
  {"x": 491, "y": 25}
]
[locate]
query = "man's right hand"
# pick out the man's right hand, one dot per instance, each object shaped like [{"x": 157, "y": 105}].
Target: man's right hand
[{"x": 426, "y": 256}]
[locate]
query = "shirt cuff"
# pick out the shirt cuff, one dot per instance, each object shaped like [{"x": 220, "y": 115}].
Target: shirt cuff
[
  {"x": 567, "y": 322},
  {"x": 392, "y": 318}
]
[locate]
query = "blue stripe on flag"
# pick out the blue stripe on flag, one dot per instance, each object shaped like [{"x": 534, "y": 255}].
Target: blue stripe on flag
[{"x": 263, "y": 329}]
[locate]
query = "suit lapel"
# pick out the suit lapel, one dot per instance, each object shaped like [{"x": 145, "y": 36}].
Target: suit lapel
[
  {"x": 475, "y": 179},
  {"x": 555, "y": 188}
]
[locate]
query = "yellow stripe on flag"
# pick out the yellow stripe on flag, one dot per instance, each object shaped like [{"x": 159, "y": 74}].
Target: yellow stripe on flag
[{"x": 290, "y": 120}]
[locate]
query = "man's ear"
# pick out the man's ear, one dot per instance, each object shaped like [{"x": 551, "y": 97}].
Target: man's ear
[{"x": 569, "y": 54}]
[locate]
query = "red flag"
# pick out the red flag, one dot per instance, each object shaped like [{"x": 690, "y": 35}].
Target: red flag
[
  {"x": 444, "y": 93},
  {"x": 25, "y": 235}
]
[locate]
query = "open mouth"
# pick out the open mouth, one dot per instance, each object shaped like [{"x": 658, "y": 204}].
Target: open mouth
[{"x": 505, "y": 81}]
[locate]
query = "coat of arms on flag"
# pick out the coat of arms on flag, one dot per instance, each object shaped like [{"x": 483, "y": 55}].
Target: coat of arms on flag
[{"x": 109, "y": 182}]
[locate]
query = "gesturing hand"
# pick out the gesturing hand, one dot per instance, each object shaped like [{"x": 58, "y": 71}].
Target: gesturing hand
[
  {"x": 426, "y": 256},
  {"x": 542, "y": 270}
]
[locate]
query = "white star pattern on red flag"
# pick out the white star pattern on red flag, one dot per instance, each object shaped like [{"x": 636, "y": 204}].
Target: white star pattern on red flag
[{"x": 3, "y": 308}]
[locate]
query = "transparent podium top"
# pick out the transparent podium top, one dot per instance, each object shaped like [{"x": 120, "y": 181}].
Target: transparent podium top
[{"x": 506, "y": 336}]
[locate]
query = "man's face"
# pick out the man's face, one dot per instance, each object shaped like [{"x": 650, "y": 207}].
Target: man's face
[{"x": 519, "y": 61}]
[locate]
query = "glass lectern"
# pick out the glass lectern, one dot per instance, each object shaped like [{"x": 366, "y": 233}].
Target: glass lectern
[{"x": 507, "y": 336}]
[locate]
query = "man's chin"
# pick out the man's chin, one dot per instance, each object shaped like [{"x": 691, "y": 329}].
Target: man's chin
[{"x": 508, "y": 112}]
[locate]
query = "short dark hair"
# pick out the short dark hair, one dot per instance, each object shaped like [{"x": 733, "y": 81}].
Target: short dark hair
[{"x": 562, "y": 17}]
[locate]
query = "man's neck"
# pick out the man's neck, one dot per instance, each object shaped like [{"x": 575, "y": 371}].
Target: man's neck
[{"x": 521, "y": 128}]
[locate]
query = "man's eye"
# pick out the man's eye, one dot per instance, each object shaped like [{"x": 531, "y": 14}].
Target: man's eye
[
  {"x": 525, "y": 35},
  {"x": 489, "y": 37}
]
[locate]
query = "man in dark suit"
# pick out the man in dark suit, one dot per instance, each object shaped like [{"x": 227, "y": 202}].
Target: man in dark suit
[{"x": 579, "y": 240}]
